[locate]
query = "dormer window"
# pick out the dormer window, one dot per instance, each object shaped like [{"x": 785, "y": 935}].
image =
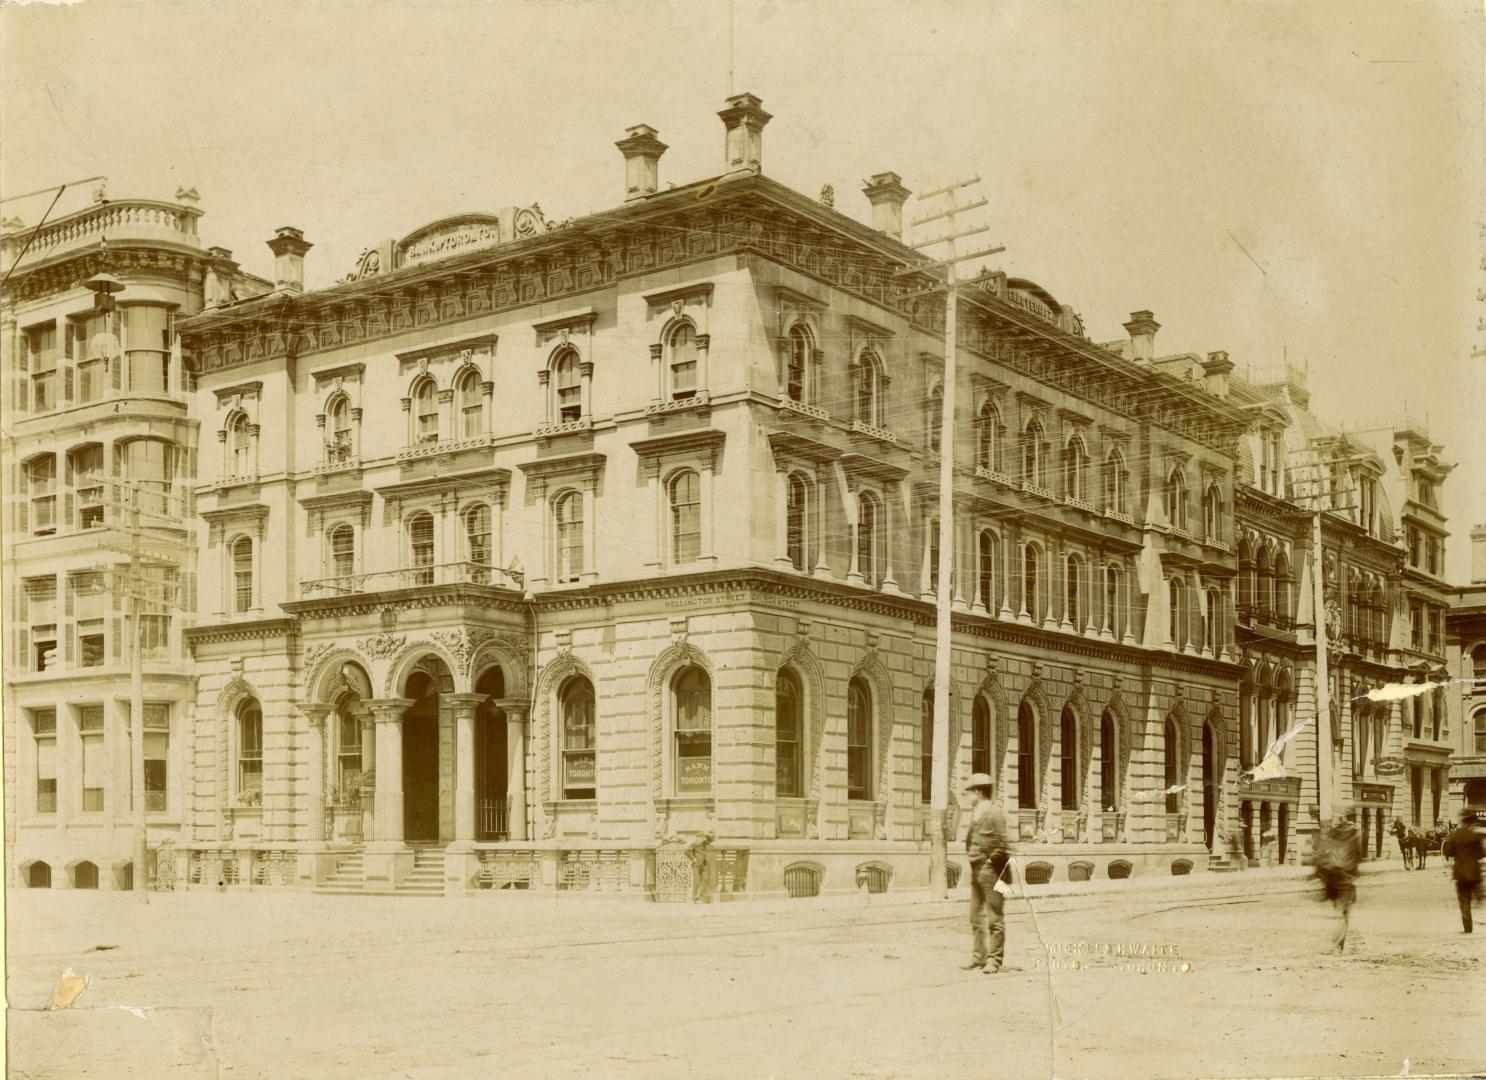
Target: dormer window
[{"x": 1427, "y": 494}]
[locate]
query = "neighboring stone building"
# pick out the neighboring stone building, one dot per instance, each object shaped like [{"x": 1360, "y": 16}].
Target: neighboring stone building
[
  {"x": 91, "y": 398},
  {"x": 1465, "y": 635},
  {"x": 538, "y": 555}
]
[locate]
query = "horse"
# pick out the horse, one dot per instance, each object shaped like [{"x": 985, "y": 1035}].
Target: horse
[{"x": 1414, "y": 845}]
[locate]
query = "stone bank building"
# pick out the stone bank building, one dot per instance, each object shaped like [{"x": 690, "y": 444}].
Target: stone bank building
[{"x": 572, "y": 556}]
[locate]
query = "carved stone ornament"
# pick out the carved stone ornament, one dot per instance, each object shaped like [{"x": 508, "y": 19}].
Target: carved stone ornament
[
  {"x": 461, "y": 644},
  {"x": 381, "y": 646},
  {"x": 312, "y": 657}
]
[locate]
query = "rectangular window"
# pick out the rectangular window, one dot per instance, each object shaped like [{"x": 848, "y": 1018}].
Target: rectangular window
[
  {"x": 156, "y": 756},
  {"x": 349, "y": 757},
  {"x": 249, "y": 762},
  {"x": 1416, "y": 624},
  {"x": 579, "y": 762},
  {"x": 41, "y": 360},
  {"x": 44, "y": 731},
  {"x": 41, "y": 482},
  {"x": 85, "y": 477},
  {"x": 147, "y": 345},
  {"x": 858, "y": 742},
  {"x": 693, "y": 741},
  {"x": 154, "y": 636},
  {"x": 90, "y": 726}
]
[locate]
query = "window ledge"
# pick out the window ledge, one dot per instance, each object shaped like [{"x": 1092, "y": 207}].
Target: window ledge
[
  {"x": 861, "y": 427},
  {"x": 329, "y": 467},
  {"x": 699, "y": 400},
  {"x": 995, "y": 477},
  {"x": 789, "y": 404},
  {"x": 564, "y": 427},
  {"x": 434, "y": 449},
  {"x": 250, "y": 480}
]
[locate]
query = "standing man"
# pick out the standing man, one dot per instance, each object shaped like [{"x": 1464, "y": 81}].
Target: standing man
[
  {"x": 989, "y": 849},
  {"x": 1337, "y": 856},
  {"x": 1464, "y": 846}
]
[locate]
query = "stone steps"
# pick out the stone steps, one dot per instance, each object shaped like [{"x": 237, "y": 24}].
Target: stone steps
[{"x": 349, "y": 878}]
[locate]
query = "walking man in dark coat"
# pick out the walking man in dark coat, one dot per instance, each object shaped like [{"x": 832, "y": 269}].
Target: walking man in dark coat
[
  {"x": 1464, "y": 846},
  {"x": 989, "y": 848},
  {"x": 1338, "y": 854}
]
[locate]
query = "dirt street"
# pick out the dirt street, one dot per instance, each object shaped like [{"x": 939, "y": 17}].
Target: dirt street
[{"x": 1228, "y": 976}]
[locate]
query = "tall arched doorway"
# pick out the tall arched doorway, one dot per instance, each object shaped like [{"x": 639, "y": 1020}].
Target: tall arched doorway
[
  {"x": 1210, "y": 781},
  {"x": 492, "y": 764},
  {"x": 420, "y": 751}
]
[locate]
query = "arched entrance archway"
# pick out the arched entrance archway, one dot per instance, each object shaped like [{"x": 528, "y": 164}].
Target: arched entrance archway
[
  {"x": 492, "y": 765},
  {"x": 421, "y": 735},
  {"x": 1210, "y": 781}
]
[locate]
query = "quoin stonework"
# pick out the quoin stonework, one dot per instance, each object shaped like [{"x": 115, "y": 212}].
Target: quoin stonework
[{"x": 599, "y": 555}]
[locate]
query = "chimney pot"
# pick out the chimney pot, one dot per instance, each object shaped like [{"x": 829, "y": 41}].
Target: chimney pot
[
  {"x": 288, "y": 246},
  {"x": 642, "y": 151},
  {"x": 743, "y": 121},
  {"x": 1142, "y": 329},
  {"x": 886, "y": 193}
]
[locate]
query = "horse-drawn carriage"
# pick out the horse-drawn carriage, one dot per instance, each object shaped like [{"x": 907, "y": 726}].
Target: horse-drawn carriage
[{"x": 1416, "y": 844}]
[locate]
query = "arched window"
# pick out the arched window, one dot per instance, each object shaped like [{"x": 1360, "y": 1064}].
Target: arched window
[
  {"x": 686, "y": 517},
  {"x": 1283, "y": 588},
  {"x": 1212, "y": 513},
  {"x": 1360, "y": 727},
  {"x": 691, "y": 725},
  {"x": 1075, "y": 463},
  {"x": 1478, "y": 730},
  {"x": 342, "y": 551},
  {"x": 868, "y": 512},
  {"x": 348, "y": 746},
  {"x": 1032, "y": 441},
  {"x": 926, "y": 748},
  {"x": 986, "y": 579},
  {"x": 477, "y": 547},
  {"x": 797, "y": 369},
  {"x": 1178, "y": 613},
  {"x": 1172, "y": 771},
  {"x": 1213, "y": 627},
  {"x": 1264, "y": 595},
  {"x": 936, "y": 419},
  {"x": 987, "y": 440},
  {"x": 1246, "y": 577},
  {"x": 1108, "y": 777},
  {"x": 858, "y": 740},
  {"x": 933, "y": 526},
  {"x": 426, "y": 411},
  {"x": 1114, "y": 612},
  {"x": 338, "y": 431},
  {"x": 869, "y": 388},
  {"x": 471, "y": 405},
  {"x": 1114, "y": 482},
  {"x": 242, "y": 575},
  {"x": 420, "y": 548},
  {"x": 682, "y": 347},
  {"x": 1072, "y": 584},
  {"x": 567, "y": 386},
  {"x": 579, "y": 763},
  {"x": 789, "y": 760},
  {"x": 249, "y": 753},
  {"x": 1478, "y": 665},
  {"x": 1031, "y": 586},
  {"x": 797, "y": 522},
  {"x": 980, "y": 736},
  {"x": 1068, "y": 759},
  {"x": 1176, "y": 499},
  {"x": 240, "y": 445},
  {"x": 567, "y": 511},
  {"x": 1026, "y": 757}
]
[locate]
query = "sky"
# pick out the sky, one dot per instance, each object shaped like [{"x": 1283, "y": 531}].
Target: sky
[{"x": 1285, "y": 181}]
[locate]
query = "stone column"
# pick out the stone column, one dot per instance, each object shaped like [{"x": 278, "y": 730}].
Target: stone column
[
  {"x": 516, "y": 717},
  {"x": 590, "y": 556},
  {"x": 314, "y": 716},
  {"x": 388, "y": 714},
  {"x": 853, "y": 537},
  {"x": 781, "y": 516},
  {"x": 706, "y": 477},
  {"x": 464, "y": 706},
  {"x": 368, "y": 773}
]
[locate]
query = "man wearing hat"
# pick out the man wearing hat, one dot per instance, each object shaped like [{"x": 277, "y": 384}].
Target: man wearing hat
[
  {"x": 989, "y": 849},
  {"x": 1464, "y": 846}
]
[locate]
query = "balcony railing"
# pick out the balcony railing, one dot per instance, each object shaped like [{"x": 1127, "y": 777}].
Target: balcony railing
[
  {"x": 495, "y": 815},
  {"x": 412, "y": 577}
]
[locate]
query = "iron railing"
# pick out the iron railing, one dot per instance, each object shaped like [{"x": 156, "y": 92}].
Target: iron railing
[{"x": 412, "y": 577}]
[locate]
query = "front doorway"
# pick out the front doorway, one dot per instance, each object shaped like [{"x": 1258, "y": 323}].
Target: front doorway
[
  {"x": 420, "y": 761},
  {"x": 1209, "y": 786},
  {"x": 492, "y": 787}
]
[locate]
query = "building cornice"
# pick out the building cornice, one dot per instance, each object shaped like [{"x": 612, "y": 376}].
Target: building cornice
[{"x": 256, "y": 630}]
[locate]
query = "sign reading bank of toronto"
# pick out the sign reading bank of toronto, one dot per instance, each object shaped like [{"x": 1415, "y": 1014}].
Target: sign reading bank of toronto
[{"x": 449, "y": 237}]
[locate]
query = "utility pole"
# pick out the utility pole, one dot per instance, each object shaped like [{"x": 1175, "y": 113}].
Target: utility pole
[{"x": 939, "y": 752}]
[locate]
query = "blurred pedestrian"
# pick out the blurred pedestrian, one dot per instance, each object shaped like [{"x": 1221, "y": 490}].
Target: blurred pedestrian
[
  {"x": 988, "y": 845},
  {"x": 1465, "y": 847},
  {"x": 1338, "y": 854}
]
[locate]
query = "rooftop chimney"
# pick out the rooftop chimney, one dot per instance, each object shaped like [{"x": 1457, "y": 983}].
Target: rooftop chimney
[
  {"x": 886, "y": 193},
  {"x": 1142, "y": 329},
  {"x": 744, "y": 120},
  {"x": 1215, "y": 370},
  {"x": 288, "y": 246},
  {"x": 1478, "y": 555},
  {"x": 642, "y": 151}
]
